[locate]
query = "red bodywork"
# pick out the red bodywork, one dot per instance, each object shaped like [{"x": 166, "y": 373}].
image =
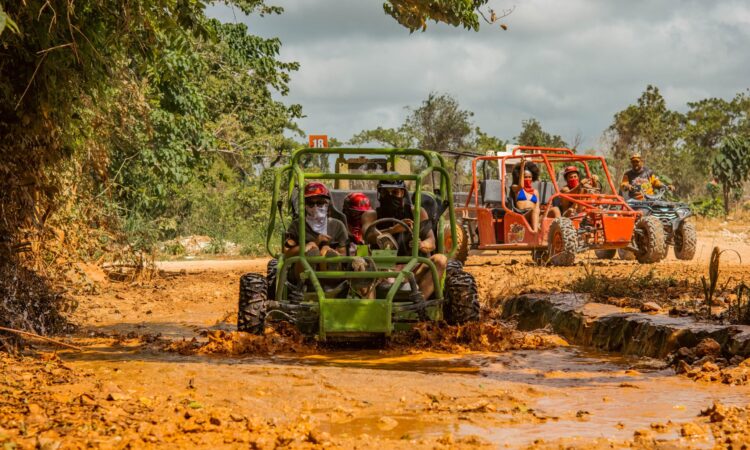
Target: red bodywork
[{"x": 607, "y": 221}]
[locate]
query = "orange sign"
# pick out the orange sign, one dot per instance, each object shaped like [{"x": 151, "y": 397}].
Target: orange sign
[{"x": 318, "y": 141}]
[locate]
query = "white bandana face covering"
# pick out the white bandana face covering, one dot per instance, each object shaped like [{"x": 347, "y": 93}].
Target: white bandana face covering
[{"x": 317, "y": 217}]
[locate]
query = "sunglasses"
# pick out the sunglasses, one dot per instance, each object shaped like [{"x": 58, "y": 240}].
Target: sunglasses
[{"x": 321, "y": 202}]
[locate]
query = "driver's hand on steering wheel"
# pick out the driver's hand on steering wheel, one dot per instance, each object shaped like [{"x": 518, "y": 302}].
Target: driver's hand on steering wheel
[
  {"x": 398, "y": 228},
  {"x": 627, "y": 186}
]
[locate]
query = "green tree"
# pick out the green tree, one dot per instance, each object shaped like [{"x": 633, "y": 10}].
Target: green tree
[
  {"x": 532, "y": 134},
  {"x": 414, "y": 14},
  {"x": 401, "y": 137},
  {"x": 731, "y": 167},
  {"x": 651, "y": 129}
]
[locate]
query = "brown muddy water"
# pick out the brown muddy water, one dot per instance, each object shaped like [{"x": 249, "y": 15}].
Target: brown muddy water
[{"x": 511, "y": 399}]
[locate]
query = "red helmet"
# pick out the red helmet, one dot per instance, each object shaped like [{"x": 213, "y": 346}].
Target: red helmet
[
  {"x": 356, "y": 201},
  {"x": 316, "y": 190},
  {"x": 569, "y": 170}
]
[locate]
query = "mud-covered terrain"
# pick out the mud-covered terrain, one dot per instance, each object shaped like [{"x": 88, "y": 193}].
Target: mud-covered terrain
[{"x": 161, "y": 366}]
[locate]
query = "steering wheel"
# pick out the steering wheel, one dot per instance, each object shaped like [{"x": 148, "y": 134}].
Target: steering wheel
[{"x": 386, "y": 240}]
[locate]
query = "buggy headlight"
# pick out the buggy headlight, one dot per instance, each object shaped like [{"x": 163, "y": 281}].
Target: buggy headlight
[{"x": 682, "y": 212}]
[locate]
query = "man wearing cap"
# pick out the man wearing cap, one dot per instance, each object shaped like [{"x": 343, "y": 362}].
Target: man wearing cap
[
  {"x": 394, "y": 203},
  {"x": 324, "y": 235},
  {"x": 640, "y": 180}
]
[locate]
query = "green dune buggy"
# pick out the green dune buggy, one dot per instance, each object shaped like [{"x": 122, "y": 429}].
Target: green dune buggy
[{"x": 329, "y": 303}]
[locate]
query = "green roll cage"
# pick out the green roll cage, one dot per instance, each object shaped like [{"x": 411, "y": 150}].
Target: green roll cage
[{"x": 297, "y": 177}]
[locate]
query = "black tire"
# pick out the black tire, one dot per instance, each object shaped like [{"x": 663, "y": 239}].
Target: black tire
[
  {"x": 271, "y": 271},
  {"x": 685, "y": 241},
  {"x": 252, "y": 303},
  {"x": 605, "y": 254},
  {"x": 540, "y": 256},
  {"x": 625, "y": 255},
  {"x": 453, "y": 265},
  {"x": 650, "y": 240},
  {"x": 462, "y": 299},
  {"x": 562, "y": 242}
]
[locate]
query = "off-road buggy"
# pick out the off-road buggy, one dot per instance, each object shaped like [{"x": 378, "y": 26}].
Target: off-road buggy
[
  {"x": 594, "y": 218},
  {"x": 679, "y": 232},
  {"x": 331, "y": 304}
]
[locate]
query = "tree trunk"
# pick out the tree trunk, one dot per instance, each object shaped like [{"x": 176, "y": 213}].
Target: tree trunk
[{"x": 725, "y": 189}]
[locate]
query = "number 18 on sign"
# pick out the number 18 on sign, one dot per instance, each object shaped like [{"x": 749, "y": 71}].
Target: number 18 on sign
[{"x": 318, "y": 141}]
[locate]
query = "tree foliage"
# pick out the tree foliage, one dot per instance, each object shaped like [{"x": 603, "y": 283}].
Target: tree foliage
[
  {"x": 731, "y": 166},
  {"x": 532, "y": 134},
  {"x": 683, "y": 147},
  {"x": 414, "y": 14},
  {"x": 120, "y": 104}
]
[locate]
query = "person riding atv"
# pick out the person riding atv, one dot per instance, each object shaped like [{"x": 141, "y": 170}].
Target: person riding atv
[
  {"x": 639, "y": 180},
  {"x": 394, "y": 203}
]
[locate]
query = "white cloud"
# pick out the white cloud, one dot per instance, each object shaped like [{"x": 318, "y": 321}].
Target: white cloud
[{"x": 571, "y": 64}]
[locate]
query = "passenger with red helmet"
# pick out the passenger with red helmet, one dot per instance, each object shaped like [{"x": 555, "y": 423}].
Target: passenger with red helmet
[
  {"x": 324, "y": 235},
  {"x": 574, "y": 184},
  {"x": 355, "y": 205}
]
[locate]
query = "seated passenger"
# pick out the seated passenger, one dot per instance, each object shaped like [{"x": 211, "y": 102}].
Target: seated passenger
[
  {"x": 575, "y": 185},
  {"x": 355, "y": 205},
  {"x": 525, "y": 197},
  {"x": 393, "y": 203},
  {"x": 323, "y": 235}
]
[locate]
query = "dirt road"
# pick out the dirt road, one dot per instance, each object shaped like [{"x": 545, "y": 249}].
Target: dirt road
[{"x": 126, "y": 389}]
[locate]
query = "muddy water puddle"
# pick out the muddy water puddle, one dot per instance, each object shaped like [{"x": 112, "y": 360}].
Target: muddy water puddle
[{"x": 513, "y": 398}]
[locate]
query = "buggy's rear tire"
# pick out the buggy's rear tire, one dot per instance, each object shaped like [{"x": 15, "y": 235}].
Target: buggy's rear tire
[
  {"x": 562, "y": 242},
  {"x": 625, "y": 255},
  {"x": 540, "y": 256},
  {"x": 605, "y": 254},
  {"x": 461, "y": 243},
  {"x": 650, "y": 240},
  {"x": 271, "y": 271},
  {"x": 253, "y": 303},
  {"x": 685, "y": 241},
  {"x": 462, "y": 299}
]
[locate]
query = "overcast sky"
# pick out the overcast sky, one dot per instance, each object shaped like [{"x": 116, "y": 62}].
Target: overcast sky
[{"x": 571, "y": 64}]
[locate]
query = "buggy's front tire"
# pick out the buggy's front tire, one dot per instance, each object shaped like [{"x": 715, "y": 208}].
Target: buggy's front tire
[
  {"x": 562, "y": 242},
  {"x": 462, "y": 298},
  {"x": 253, "y": 303}
]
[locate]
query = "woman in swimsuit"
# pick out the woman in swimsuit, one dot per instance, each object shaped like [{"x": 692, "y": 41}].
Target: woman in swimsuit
[{"x": 524, "y": 194}]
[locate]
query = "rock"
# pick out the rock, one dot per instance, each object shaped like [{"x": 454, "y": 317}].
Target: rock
[
  {"x": 650, "y": 307},
  {"x": 682, "y": 367},
  {"x": 691, "y": 429},
  {"x": 387, "y": 423},
  {"x": 710, "y": 367},
  {"x": 685, "y": 354},
  {"x": 736, "y": 360},
  {"x": 707, "y": 347}
]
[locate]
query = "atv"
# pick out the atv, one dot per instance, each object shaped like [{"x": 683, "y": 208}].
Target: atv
[
  {"x": 379, "y": 297},
  {"x": 593, "y": 217},
  {"x": 679, "y": 232}
]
